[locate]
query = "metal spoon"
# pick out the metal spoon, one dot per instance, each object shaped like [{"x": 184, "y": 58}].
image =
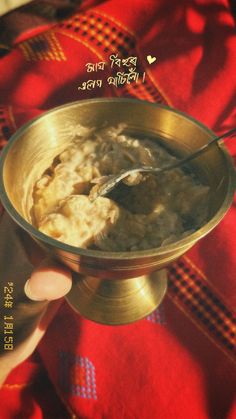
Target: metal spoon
[{"x": 110, "y": 182}]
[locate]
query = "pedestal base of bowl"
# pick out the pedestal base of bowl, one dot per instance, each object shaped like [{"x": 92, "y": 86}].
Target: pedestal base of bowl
[{"x": 117, "y": 302}]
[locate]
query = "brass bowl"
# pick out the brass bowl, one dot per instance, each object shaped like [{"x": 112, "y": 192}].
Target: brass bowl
[{"x": 113, "y": 287}]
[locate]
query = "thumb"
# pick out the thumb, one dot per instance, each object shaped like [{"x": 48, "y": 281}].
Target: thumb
[{"x": 50, "y": 281}]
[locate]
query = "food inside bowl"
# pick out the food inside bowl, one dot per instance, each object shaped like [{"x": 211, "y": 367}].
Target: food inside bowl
[{"x": 143, "y": 212}]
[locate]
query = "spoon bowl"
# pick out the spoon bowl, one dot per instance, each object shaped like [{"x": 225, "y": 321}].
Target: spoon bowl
[{"x": 107, "y": 183}]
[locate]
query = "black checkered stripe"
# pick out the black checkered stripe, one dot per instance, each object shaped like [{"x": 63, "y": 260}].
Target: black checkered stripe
[
  {"x": 194, "y": 295},
  {"x": 108, "y": 37},
  {"x": 6, "y": 128}
]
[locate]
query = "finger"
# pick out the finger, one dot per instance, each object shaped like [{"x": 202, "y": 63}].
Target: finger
[
  {"x": 32, "y": 250},
  {"x": 48, "y": 282},
  {"x": 49, "y": 314}
]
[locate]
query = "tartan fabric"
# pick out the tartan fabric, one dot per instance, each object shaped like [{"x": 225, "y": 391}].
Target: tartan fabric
[
  {"x": 109, "y": 37},
  {"x": 190, "y": 290},
  {"x": 179, "y": 362}
]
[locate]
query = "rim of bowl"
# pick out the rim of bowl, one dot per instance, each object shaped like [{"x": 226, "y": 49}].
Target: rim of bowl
[{"x": 192, "y": 238}]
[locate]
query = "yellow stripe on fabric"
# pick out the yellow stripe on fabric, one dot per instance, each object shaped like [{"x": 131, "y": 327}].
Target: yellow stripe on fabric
[
  {"x": 201, "y": 328},
  {"x": 208, "y": 301},
  {"x": 213, "y": 321},
  {"x": 78, "y": 39},
  {"x": 201, "y": 273}
]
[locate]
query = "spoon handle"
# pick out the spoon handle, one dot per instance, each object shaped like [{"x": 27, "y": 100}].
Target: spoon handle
[
  {"x": 112, "y": 181},
  {"x": 200, "y": 150}
]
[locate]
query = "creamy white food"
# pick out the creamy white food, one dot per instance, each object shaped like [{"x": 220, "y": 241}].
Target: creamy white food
[{"x": 144, "y": 212}]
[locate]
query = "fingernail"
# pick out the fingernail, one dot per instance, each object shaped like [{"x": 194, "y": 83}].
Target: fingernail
[{"x": 30, "y": 294}]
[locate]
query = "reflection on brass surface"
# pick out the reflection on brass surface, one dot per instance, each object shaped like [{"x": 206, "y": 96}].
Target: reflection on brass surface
[
  {"x": 118, "y": 302},
  {"x": 31, "y": 151}
]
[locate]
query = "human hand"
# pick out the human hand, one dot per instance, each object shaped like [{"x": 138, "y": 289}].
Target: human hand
[{"x": 36, "y": 302}]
